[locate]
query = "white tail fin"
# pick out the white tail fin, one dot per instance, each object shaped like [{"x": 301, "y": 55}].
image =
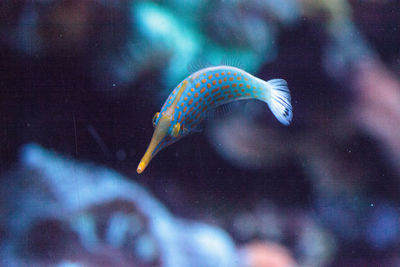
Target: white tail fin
[{"x": 279, "y": 100}]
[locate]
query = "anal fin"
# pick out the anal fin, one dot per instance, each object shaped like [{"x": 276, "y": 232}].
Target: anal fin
[{"x": 223, "y": 110}]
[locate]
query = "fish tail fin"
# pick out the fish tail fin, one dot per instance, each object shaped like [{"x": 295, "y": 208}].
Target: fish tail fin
[{"x": 278, "y": 99}]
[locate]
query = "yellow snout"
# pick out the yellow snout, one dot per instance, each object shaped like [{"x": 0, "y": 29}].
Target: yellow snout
[{"x": 159, "y": 134}]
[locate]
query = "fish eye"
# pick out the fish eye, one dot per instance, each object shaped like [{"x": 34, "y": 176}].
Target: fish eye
[{"x": 155, "y": 118}]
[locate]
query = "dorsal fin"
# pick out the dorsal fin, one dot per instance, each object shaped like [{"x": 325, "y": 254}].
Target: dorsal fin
[
  {"x": 197, "y": 65},
  {"x": 232, "y": 60}
]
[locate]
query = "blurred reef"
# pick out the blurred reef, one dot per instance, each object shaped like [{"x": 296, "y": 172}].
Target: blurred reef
[{"x": 57, "y": 211}]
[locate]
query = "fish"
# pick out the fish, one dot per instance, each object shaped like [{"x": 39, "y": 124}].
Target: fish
[{"x": 201, "y": 93}]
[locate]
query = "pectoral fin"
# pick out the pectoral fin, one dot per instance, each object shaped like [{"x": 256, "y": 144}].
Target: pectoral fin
[{"x": 176, "y": 129}]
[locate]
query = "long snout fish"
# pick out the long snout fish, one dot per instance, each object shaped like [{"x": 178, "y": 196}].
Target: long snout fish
[{"x": 201, "y": 93}]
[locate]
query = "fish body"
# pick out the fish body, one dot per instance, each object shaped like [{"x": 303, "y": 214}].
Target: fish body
[{"x": 203, "y": 91}]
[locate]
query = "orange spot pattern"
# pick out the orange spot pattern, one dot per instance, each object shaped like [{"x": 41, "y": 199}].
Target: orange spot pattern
[{"x": 213, "y": 93}]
